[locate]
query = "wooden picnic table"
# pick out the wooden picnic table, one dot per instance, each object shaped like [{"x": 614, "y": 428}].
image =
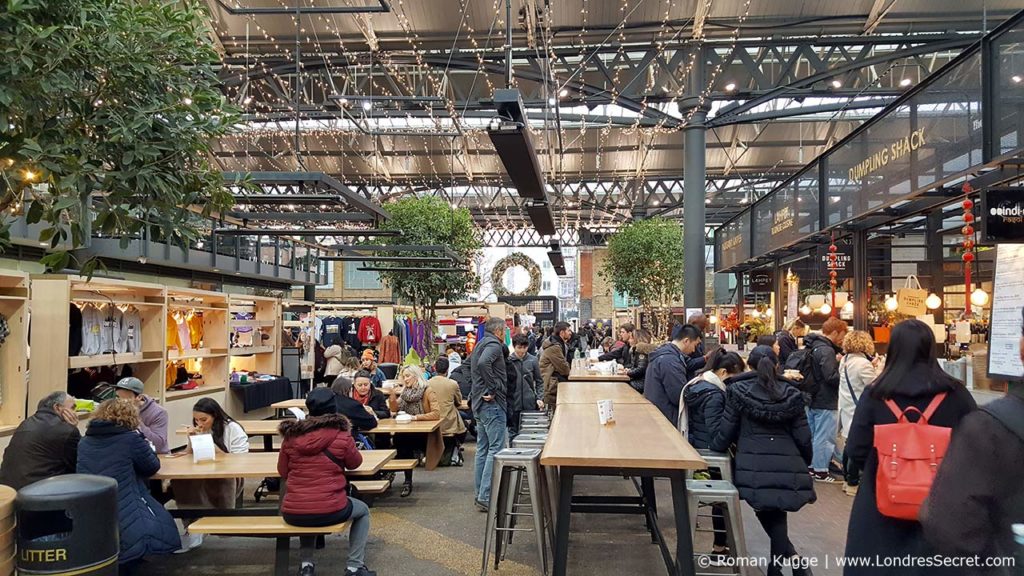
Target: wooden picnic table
[
  {"x": 268, "y": 429},
  {"x": 642, "y": 443},
  {"x": 253, "y": 465},
  {"x": 299, "y": 403},
  {"x": 591, "y": 392}
]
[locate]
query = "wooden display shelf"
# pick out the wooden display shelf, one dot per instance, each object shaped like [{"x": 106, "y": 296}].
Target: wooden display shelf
[
  {"x": 176, "y": 307},
  {"x": 114, "y": 301},
  {"x": 253, "y": 323},
  {"x": 174, "y": 355},
  {"x": 252, "y": 350},
  {"x": 297, "y": 324},
  {"x": 172, "y": 395},
  {"x": 113, "y": 359}
]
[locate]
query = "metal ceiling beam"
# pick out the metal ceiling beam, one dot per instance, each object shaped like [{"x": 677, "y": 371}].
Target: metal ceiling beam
[
  {"x": 382, "y": 6},
  {"x": 315, "y": 178},
  {"x": 301, "y": 216},
  {"x": 285, "y": 199},
  {"x": 304, "y": 232},
  {"x": 406, "y": 259}
]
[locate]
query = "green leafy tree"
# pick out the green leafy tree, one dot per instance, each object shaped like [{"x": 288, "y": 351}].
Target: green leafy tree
[
  {"x": 429, "y": 221},
  {"x": 645, "y": 261},
  {"x": 107, "y": 112}
]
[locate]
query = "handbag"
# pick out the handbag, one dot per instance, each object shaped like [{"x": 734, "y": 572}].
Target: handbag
[{"x": 910, "y": 300}]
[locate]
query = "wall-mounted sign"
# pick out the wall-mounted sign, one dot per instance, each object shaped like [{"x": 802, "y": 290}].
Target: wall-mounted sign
[
  {"x": 732, "y": 241},
  {"x": 762, "y": 280},
  {"x": 1002, "y": 215},
  {"x": 890, "y": 153},
  {"x": 790, "y": 214},
  {"x": 843, "y": 266}
]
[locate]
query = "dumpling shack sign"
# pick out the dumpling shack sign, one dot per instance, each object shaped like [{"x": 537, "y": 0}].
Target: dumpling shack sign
[{"x": 891, "y": 153}]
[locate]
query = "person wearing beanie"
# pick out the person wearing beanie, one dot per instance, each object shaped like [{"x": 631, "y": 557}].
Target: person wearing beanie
[
  {"x": 315, "y": 454},
  {"x": 368, "y": 362},
  {"x": 152, "y": 416}
]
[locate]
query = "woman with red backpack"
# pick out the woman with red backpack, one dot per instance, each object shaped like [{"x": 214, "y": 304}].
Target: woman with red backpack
[{"x": 883, "y": 522}]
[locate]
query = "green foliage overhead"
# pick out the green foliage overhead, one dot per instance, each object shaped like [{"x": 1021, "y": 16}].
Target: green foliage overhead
[
  {"x": 645, "y": 261},
  {"x": 425, "y": 221},
  {"x": 110, "y": 105}
]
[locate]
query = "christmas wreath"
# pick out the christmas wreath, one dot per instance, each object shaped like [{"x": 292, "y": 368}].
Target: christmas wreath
[{"x": 517, "y": 259}]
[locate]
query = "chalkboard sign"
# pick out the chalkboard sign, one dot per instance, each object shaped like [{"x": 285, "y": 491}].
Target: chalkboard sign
[
  {"x": 762, "y": 280},
  {"x": 1006, "y": 323}
]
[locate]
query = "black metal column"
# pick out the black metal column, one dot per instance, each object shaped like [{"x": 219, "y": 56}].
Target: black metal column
[
  {"x": 309, "y": 293},
  {"x": 936, "y": 270},
  {"x": 859, "y": 240}
]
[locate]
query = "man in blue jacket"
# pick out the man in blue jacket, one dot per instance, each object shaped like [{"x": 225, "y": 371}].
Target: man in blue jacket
[
  {"x": 668, "y": 371},
  {"x": 490, "y": 405}
]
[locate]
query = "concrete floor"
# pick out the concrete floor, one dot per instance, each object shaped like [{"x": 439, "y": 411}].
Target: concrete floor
[{"x": 438, "y": 532}]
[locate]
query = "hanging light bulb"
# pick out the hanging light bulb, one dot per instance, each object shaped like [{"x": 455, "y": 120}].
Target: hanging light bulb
[
  {"x": 825, "y": 309},
  {"x": 755, "y": 314},
  {"x": 713, "y": 319},
  {"x": 769, "y": 312},
  {"x": 848, "y": 307},
  {"x": 932, "y": 302},
  {"x": 979, "y": 297},
  {"x": 891, "y": 304},
  {"x": 805, "y": 310}
]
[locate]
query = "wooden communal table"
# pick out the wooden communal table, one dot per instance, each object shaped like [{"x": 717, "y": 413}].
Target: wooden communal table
[
  {"x": 253, "y": 465},
  {"x": 432, "y": 428},
  {"x": 299, "y": 403},
  {"x": 591, "y": 392},
  {"x": 268, "y": 429},
  {"x": 640, "y": 443},
  {"x": 594, "y": 377}
]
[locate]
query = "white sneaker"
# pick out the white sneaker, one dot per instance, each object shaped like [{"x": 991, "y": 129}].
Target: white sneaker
[{"x": 190, "y": 542}]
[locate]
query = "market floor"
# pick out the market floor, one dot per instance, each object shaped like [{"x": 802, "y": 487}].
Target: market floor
[{"x": 438, "y": 532}]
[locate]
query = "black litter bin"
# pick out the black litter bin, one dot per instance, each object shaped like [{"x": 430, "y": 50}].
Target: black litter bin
[{"x": 68, "y": 524}]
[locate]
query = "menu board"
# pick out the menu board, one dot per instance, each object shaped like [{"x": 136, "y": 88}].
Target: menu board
[{"x": 1007, "y": 302}]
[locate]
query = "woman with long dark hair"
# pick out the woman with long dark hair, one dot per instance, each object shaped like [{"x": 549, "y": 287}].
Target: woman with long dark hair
[
  {"x": 764, "y": 416},
  {"x": 230, "y": 438},
  {"x": 912, "y": 377},
  {"x": 641, "y": 346}
]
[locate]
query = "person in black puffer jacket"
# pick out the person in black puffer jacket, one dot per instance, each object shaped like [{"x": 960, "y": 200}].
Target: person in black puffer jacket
[
  {"x": 700, "y": 411},
  {"x": 641, "y": 348},
  {"x": 764, "y": 415},
  {"x": 114, "y": 448}
]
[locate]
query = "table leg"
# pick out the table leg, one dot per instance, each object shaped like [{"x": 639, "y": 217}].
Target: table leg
[
  {"x": 684, "y": 538},
  {"x": 650, "y": 504},
  {"x": 281, "y": 554},
  {"x": 562, "y": 522},
  {"x": 268, "y": 443},
  {"x": 435, "y": 448}
]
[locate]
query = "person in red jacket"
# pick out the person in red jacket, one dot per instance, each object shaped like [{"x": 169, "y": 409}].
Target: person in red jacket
[{"x": 313, "y": 458}]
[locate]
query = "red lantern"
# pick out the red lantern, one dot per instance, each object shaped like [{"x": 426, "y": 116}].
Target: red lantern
[
  {"x": 968, "y": 257},
  {"x": 968, "y": 217},
  {"x": 968, "y": 204},
  {"x": 967, "y": 230}
]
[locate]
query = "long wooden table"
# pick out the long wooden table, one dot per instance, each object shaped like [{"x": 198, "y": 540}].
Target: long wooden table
[
  {"x": 591, "y": 392},
  {"x": 268, "y": 429},
  {"x": 641, "y": 443},
  {"x": 252, "y": 465},
  {"x": 592, "y": 377}
]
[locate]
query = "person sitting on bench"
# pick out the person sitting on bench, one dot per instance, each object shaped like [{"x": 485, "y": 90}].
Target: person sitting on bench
[{"x": 314, "y": 456}]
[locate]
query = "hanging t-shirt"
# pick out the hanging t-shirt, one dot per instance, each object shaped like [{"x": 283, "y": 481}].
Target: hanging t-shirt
[
  {"x": 92, "y": 325},
  {"x": 195, "y": 328},
  {"x": 131, "y": 331},
  {"x": 183, "y": 332},
  {"x": 244, "y": 334},
  {"x": 110, "y": 329},
  {"x": 331, "y": 334}
]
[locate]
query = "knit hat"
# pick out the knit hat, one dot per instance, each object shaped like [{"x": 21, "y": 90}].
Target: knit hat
[
  {"x": 761, "y": 351},
  {"x": 321, "y": 401},
  {"x": 368, "y": 355}
]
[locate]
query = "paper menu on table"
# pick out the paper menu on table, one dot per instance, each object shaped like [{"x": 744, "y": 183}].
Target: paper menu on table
[
  {"x": 605, "y": 411},
  {"x": 202, "y": 448},
  {"x": 1007, "y": 301}
]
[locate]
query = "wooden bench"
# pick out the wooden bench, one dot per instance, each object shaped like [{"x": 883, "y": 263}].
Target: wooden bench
[
  {"x": 370, "y": 489},
  {"x": 400, "y": 465},
  {"x": 262, "y": 527}
]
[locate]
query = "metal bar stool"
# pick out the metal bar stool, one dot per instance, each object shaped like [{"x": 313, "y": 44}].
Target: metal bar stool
[
  {"x": 720, "y": 461},
  {"x": 550, "y": 472},
  {"x": 510, "y": 465},
  {"x": 722, "y": 493}
]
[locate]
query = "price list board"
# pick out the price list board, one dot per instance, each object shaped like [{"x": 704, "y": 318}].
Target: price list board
[{"x": 1006, "y": 323}]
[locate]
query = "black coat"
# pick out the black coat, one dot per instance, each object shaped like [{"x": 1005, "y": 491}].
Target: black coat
[
  {"x": 640, "y": 356},
  {"x": 705, "y": 404},
  {"x": 870, "y": 533},
  {"x": 144, "y": 525},
  {"x": 787, "y": 345},
  {"x": 379, "y": 403},
  {"x": 622, "y": 355},
  {"x": 487, "y": 372},
  {"x": 773, "y": 444},
  {"x": 667, "y": 373},
  {"x": 824, "y": 386},
  {"x": 977, "y": 496},
  {"x": 44, "y": 445},
  {"x": 354, "y": 410}
]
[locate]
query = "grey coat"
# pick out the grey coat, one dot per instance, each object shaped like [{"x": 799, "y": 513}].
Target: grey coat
[
  {"x": 487, "y": 372},
  {"x": 530, "y": 384}
]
